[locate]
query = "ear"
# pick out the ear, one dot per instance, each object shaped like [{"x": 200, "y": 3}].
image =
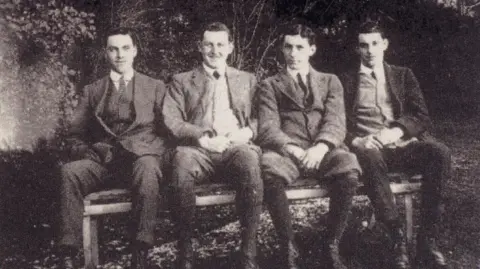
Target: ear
[
  {"x": 385, "y": 43},
  {"x": 230, "y": 47},
  {"x": 313, "y": 49},
  {"x": 135, "y": 51}
]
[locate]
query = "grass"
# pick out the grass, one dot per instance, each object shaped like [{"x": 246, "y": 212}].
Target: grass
[{"x": 217, "y": 228}]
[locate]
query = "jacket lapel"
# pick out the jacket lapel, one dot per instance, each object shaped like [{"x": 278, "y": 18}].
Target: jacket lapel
[
  {"x": 140, "y": 97},
  {"x": 235, "y": 86},
  {"x": 317, "y": 84},
  {"x": 392, "y": 84},
  {"x": 199, "y": 85},
  {"x": 286, "y": 85},
  {"x": 103, "y": 91}
]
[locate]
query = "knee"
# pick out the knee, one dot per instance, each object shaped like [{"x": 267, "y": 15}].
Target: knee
[
  {"x": 347, "y": 182},
  {"x": 247, "y": 156},
  {"x": 438, "y": 151},
  {"x": 70, "y": 172},
  {"x": 184, "y": 159},
  {"x": 148, "y": 162}
]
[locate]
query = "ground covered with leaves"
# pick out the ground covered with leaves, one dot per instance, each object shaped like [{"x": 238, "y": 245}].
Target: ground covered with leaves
[{"x": 217, "y": 228}]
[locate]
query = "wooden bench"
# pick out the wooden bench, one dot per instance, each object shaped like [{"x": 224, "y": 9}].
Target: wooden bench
[{"x": 118, "y": 200}]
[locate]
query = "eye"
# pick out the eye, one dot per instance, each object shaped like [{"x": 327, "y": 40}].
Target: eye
[{"x": 374, "y": 43}]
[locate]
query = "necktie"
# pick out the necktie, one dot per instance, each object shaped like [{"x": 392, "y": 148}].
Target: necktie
[
  {"x": 122, "y": 86},
  {"x": 216, "y": 75},
  {"x": 304, "y": 87},
  {"x": 374, "y": 76}
]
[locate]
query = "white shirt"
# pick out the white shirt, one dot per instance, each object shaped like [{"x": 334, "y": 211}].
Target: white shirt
[
  {"x": 383, "y": 98},
  {"x": 223, "y": 119},
  {"x": 115, "y": 77},
  {"x": 303, "y": 73}
]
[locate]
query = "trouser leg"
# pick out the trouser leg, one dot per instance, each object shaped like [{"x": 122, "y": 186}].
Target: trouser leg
[
  {"x": 242, "y": 164},
  {"x": 78, "y": 178},
  {"x": 147, "y": 176}
]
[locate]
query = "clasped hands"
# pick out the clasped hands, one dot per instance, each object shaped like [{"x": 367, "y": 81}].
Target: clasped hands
[
  {"x": 385, "y": 137},
  {"x": 309, "y": 159},
  {"x": 220, "y": 143}
]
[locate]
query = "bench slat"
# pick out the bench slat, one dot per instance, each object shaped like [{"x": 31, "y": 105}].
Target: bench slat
[{"x": 221, "y": 199}]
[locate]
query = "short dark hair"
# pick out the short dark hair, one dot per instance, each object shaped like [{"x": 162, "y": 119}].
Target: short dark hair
[
  {"x": 370, "y": 26},
  {"x": 299, "y": 29},
  {"x": 216, "y": 27},
  {"x": 122, "y": 31}
]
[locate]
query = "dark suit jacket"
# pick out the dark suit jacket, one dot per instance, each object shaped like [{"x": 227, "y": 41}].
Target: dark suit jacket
[
  {"x": 409, "y": 107},
  {"x": 185, "y": 102},
  {"x": 90, "y": 137},
  {"x": 283, "y": 119}
]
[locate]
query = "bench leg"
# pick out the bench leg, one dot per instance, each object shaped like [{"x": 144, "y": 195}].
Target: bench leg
[
  {"x": 90, "y": 242},
  {"x": 409, "y": 217}
]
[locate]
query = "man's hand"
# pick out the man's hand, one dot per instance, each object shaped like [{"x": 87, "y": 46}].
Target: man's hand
[
  {"x": 215, "y": 144},
  {"x": 367, "y": 142},
  {"x": 389, "y": 135},
  {"x": 242, "y": 136},
  {"x": 295, "y": 151},
  {"x": 314, "y": 156}
]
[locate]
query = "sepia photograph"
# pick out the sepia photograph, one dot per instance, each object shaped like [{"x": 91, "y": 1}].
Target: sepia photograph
[{"x": 239, "y": 134}]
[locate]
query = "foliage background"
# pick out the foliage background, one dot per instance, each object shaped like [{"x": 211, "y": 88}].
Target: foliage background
[{"x": 49, "y": 49}]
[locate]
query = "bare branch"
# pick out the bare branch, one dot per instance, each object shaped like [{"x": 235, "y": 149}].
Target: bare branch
[
  {"x": 256, "y": 25},
  {"x": 472, "y": 6}
]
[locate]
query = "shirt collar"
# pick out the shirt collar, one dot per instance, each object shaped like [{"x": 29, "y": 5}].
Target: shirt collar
[
  {"x": 379, "y": 71},
  {"x": 303, "y": 72},
  {"x": 127, "y": 76},
  {"x": 221, "y": 70}
]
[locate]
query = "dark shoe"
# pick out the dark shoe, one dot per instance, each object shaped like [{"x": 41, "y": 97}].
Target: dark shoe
[
  {"x": 400, "y": 253},
  {"x": 333, "y": 249},
  {"x": 292, "y": 255},
  {"x": 429, "y": 255},
  {"x": 139, "y": 256},
  {"x": 186, "y": 259},
  {"x": 68, "y": 262}
]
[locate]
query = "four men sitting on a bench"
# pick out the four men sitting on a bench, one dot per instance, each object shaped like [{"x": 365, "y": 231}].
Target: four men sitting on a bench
[{"x": 121, "y": 125}]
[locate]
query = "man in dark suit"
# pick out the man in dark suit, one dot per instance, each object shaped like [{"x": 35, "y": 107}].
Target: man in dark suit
[
  {"x": 208, "y": 111},
  {"x": 115, "y": 139},
  {"x": 302, "y": 128},
  {"x": 387, "y": 122}
]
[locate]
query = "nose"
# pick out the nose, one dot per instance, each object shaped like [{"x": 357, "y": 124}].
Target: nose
[
  {"x": 120, "y": 54},
  {"x": 369, "y": 49},
  {"x": 214, "y": 49}
]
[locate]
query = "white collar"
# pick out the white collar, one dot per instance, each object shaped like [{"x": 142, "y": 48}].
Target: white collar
[
  {"x": 221, "y": 70},
  {"x": 303, "y": 72},
  {"x": 127, "y": 76},
  {"x": 379, "y": 70}
]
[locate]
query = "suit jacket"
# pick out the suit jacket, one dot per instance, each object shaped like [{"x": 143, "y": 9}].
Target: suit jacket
[
  {"x": 409, "y": 108},
  {"x": 186, "y": 100},
  {"x": 283, "y": 118},
  {"x": 90, "y": 137}
]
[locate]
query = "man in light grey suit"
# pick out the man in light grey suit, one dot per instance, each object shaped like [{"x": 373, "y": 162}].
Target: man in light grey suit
[
  {"x": 116, "y": 138},
  {"x": 208, "y": 111}
]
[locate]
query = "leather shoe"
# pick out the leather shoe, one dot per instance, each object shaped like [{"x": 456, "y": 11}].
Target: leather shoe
[{"x": 429, "y": 255}]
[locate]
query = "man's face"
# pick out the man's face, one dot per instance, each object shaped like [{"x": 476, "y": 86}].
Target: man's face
[
  {"x": 371, "y": 48},
  {"x": 215, "y": 48},
  {"x": 297, "y": 51},
  {"x": 121, "y": 52}
]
